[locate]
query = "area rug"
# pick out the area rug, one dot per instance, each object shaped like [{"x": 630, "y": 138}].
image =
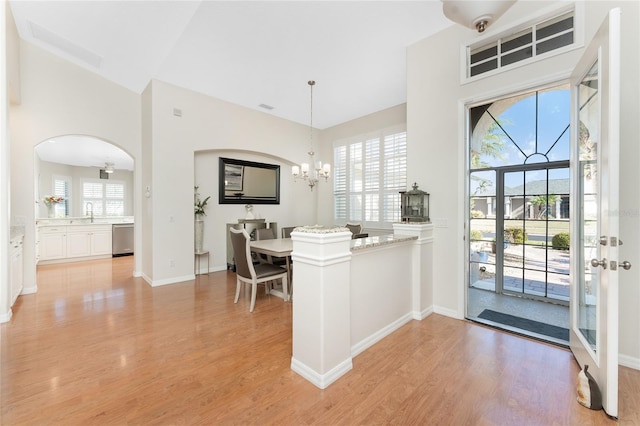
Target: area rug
[{"x": 526, "y": 324}]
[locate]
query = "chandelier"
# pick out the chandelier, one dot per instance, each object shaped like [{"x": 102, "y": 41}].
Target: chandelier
[{"x": 319, "y": 170}]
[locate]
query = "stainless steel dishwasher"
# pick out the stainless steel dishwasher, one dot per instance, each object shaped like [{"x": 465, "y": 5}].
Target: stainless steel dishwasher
[{"x": 122, "y": 239}]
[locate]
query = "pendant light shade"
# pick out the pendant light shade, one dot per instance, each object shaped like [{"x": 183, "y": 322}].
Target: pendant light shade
[{"x": 476, "y": 15}]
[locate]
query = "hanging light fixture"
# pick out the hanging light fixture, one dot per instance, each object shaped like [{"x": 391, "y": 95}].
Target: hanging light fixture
[
  {"x": 475, "y": 14},
  {"x": 319, "y": 170},
  {"x": 108, "y": 167}
]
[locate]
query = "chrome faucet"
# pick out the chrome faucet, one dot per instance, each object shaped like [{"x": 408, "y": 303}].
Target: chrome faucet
[{"x": 89, "y": 204}]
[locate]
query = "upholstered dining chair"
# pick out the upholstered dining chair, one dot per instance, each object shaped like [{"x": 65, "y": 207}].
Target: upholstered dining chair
[
  {"x": 355, "y": 228},
  {"x": 248, "y": 273},
  {"x": 286, "y": 231}
]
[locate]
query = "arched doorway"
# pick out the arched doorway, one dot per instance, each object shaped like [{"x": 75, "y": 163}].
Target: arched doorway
[{"x": 81, "y": 179}]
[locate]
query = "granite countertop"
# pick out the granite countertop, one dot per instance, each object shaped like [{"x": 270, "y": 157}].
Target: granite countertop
[
  {"x": 358, "y": 243},
  {"x": 380, "y": 240},
  {"x": 320, "y": 229},
  {"x": 75, "y": 221}
]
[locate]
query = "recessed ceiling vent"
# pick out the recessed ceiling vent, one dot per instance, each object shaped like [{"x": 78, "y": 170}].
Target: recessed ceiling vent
[
  {"x": 267, "y": 107},
  {"x": 64, "y": 45}
]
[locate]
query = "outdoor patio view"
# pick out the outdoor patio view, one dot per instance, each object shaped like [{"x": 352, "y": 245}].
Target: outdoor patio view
[{"x": 519, "y": 186}]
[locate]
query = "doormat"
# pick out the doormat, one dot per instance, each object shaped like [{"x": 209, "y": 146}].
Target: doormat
[{"x": 526, "y": 324}]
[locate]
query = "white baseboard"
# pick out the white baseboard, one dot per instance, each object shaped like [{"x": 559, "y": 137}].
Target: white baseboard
[
  {"x": 446, "y": 312},
  {"x": 6, "y": 317},
  {"x": 419, "y": 316},
  {"x": 629, "y": 361},
  {"x": 366, "y": 343},
  {"x": 175, "y": 280},
  {"x": 29, "y": 290},
  {"x": 321, "y": 380}
]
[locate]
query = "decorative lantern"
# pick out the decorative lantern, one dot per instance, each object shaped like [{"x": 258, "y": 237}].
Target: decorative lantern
[{"x": 414, "y": 205}]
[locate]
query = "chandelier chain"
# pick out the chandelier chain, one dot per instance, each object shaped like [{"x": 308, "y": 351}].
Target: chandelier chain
[{"x": 311, "y": 83}]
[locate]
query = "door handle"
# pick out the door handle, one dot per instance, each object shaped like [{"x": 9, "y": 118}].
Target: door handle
[
  {"x": 626, "y": 265},
  {"x": 595, "y": 263}
]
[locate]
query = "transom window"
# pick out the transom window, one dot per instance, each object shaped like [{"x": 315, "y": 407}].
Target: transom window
[
  {"x": 521, "y": 45},
  {"x": 369, "y": 172}
]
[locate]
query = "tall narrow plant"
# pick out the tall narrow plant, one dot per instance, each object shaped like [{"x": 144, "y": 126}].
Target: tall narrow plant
[{"x": 199, "y": 205}]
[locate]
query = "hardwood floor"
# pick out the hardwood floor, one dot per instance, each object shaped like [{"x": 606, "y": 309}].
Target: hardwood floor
[{"x": 96, "y": 346}]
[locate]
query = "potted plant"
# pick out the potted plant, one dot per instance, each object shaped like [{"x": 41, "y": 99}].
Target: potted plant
[{"x": 199, "y": 211}]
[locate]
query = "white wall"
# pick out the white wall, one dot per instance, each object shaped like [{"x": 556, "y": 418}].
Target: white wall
[
  {"x": 435, "y": 127},
  {"x": 294, "y": 208},
  {"x": 208, "y": 127},
  {"x": 59, "y": 98},
  {"x": 5, "y": 152}
]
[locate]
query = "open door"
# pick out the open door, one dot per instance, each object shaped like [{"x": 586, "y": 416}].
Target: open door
[{"x": 595, "y": 87}]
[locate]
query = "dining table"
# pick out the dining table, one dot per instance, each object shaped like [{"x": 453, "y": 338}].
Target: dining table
[{"x": 278, "y": 247}]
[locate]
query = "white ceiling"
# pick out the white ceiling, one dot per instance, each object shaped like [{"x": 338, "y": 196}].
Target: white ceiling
[
  {"x": 83, "y": 151},
  {"x": 245, "y": 52}
]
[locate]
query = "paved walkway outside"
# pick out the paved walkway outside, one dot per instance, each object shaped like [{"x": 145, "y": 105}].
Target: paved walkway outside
[{"x": 524, "y": 270}]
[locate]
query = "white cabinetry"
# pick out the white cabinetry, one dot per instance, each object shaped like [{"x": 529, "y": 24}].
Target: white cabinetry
[
  {"x": 78, "y": 244},
  {"x": 74, "y": 242},
  {"x": 16, "y": 269},
  {"x": 101, "y": 241},
  {"x": 52, "y": 243}
]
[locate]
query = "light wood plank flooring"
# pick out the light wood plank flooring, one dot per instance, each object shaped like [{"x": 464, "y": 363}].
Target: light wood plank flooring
[{"x": 95, "y": 346}]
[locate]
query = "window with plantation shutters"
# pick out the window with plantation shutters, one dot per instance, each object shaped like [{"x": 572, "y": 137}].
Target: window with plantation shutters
[
  {"x": 107, "y": 199},
  {"x": 114, "y": 204},
  {"x": 62, "y": 188},
  {"x": 340, "y": 183},
  {"x": 369, "y": 173}
]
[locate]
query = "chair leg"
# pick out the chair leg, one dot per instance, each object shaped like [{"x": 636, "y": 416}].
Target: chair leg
[
  {"x": 254, "y": 290},
  {"x": 238, "y": 284}
]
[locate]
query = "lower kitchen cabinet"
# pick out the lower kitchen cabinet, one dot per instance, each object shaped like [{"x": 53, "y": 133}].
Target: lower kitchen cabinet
[{"x": 73, "y": 242}]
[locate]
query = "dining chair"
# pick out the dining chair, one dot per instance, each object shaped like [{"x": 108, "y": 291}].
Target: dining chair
[
  {"x": 248, "y": 273},
  {"x": 355, "y": 228},
  {"x": 286, "y": 231}
]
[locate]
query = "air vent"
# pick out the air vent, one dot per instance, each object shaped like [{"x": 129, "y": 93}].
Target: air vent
[
  {"x": 64, "y": 45},
  {"x": 523, "y": 45}
]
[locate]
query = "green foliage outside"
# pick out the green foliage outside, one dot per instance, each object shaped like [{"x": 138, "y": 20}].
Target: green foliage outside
[
  {"x": 515, "y": 235},
  {"x": 561, "y": 241},
  {"x": 543, "y": 202},
  {"x": 476, "y": 235}
]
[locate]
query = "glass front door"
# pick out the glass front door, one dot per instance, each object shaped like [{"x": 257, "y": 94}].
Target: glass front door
[{"x": 519, "y": 191}]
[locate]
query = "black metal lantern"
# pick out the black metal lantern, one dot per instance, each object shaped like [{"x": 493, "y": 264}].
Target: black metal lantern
[{"x": 414, "y": 205}]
